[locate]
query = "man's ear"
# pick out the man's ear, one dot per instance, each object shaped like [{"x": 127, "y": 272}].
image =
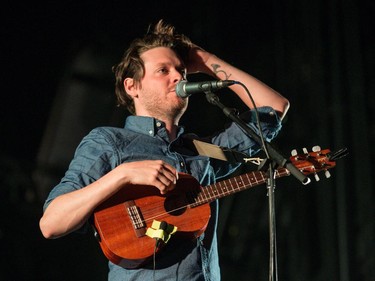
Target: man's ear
[{"x": 130, "y": 87}]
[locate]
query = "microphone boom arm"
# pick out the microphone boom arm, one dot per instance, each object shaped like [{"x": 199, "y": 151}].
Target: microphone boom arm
[{"x": 274, "y": 155}]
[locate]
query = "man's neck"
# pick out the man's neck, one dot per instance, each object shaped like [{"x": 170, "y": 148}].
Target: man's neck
[
  {"x": 171, "y": 125},
  {"x": 171, "y": 128}
]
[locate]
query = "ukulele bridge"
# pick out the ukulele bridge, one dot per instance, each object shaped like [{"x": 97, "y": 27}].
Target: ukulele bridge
[{"x": 136, "y": 218}]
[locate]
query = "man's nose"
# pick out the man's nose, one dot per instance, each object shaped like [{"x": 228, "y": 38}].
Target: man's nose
[{"x": 177, "y": 76}]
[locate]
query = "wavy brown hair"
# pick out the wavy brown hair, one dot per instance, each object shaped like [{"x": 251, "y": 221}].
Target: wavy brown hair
[{"x": 131, "y": 64}]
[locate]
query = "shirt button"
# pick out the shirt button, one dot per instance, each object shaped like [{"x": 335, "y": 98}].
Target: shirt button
[
  {"x": 158, "y": 124},
  {"x": 150, "y": 132},
  {"x": 181, "y": 164}
]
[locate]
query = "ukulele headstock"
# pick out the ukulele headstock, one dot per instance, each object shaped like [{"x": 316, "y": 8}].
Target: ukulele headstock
[{"x": 316, "y": 161}]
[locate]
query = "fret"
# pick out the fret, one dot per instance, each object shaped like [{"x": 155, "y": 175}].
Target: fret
[
  {"x": 224, "y": 189},
  {"x": 211, "y": 192},
  {"x": 239, "y": 184},
  {"x": 230, "y": 186},
  {"x": 261, "y": 178},
  {"x": 200, "y": 198},
  {"x": 204, "y": 194}
]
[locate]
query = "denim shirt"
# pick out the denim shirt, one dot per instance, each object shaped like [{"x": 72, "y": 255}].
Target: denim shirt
[{"x": 142, "y": 138}]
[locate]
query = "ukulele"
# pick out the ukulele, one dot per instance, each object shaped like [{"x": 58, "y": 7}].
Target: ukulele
[{"x": 121, "y": 222}]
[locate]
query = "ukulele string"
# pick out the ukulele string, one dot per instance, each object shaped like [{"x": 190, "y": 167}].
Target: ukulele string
[
  {"x": 198, "y": 202},
  {"x": 165, "y": 213}
]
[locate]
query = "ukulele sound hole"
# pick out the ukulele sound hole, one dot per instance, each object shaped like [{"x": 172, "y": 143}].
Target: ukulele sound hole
[{"x": 175, "y": 205}]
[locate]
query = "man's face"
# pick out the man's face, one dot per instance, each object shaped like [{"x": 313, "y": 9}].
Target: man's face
[{"x": 156, "y": 95}]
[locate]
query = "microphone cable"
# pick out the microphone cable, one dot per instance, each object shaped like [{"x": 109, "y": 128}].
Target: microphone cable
[{"x": 163, "y": 226}]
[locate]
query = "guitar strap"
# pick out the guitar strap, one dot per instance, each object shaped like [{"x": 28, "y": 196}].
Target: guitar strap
[{"x": 214, "y": 151}]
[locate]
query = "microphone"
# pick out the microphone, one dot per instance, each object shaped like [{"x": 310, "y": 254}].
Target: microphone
[
  {"x": 163, "y": 226},
  {"x": 185, "y": 89}
]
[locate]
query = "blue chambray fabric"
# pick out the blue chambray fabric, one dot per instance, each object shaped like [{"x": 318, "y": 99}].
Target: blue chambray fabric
[{"x": 105, "y": 148}]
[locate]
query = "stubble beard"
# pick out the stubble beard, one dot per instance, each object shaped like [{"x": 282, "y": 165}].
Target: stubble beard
[{"x": 164, "y": 110}]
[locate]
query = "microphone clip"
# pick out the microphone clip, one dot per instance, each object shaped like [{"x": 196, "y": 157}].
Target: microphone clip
[{"x": 161, "y": 231}]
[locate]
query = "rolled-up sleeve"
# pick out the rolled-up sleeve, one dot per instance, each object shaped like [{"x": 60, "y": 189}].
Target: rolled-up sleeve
[
  {"x": 93, "y": 158},
  {"x": 234, "y": 137}
]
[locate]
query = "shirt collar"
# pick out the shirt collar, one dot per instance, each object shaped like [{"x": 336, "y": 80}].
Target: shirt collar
[{"x": 146, "y": 125}]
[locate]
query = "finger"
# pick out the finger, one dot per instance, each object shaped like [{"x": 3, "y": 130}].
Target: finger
[
  {"x": 169, "y": 168},
  {"x": 166, "y": 183},
  {"x": 169, "y": 172}
]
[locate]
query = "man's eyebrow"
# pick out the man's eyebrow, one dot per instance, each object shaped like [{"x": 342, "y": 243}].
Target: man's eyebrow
[
  {"x": 162, "y": 63},
  {"x": 179, "y": 66}
]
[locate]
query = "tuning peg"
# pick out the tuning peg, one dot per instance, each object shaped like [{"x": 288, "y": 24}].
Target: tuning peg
[
  {"x": 327, "y": 174},
  {"x": 294, "y": 152},
  {"x": 316, "y": 177},
  {"x": 316, "y": 148}
]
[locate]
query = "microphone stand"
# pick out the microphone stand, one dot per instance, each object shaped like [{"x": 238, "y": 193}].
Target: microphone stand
[{"x": 274, "y": 159}]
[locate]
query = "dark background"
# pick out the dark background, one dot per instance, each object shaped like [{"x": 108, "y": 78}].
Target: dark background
[{"x": 57, "y": 85}]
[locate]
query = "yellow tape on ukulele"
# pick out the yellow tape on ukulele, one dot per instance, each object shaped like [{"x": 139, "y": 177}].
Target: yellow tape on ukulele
[{"x": 157, "y": 232}]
